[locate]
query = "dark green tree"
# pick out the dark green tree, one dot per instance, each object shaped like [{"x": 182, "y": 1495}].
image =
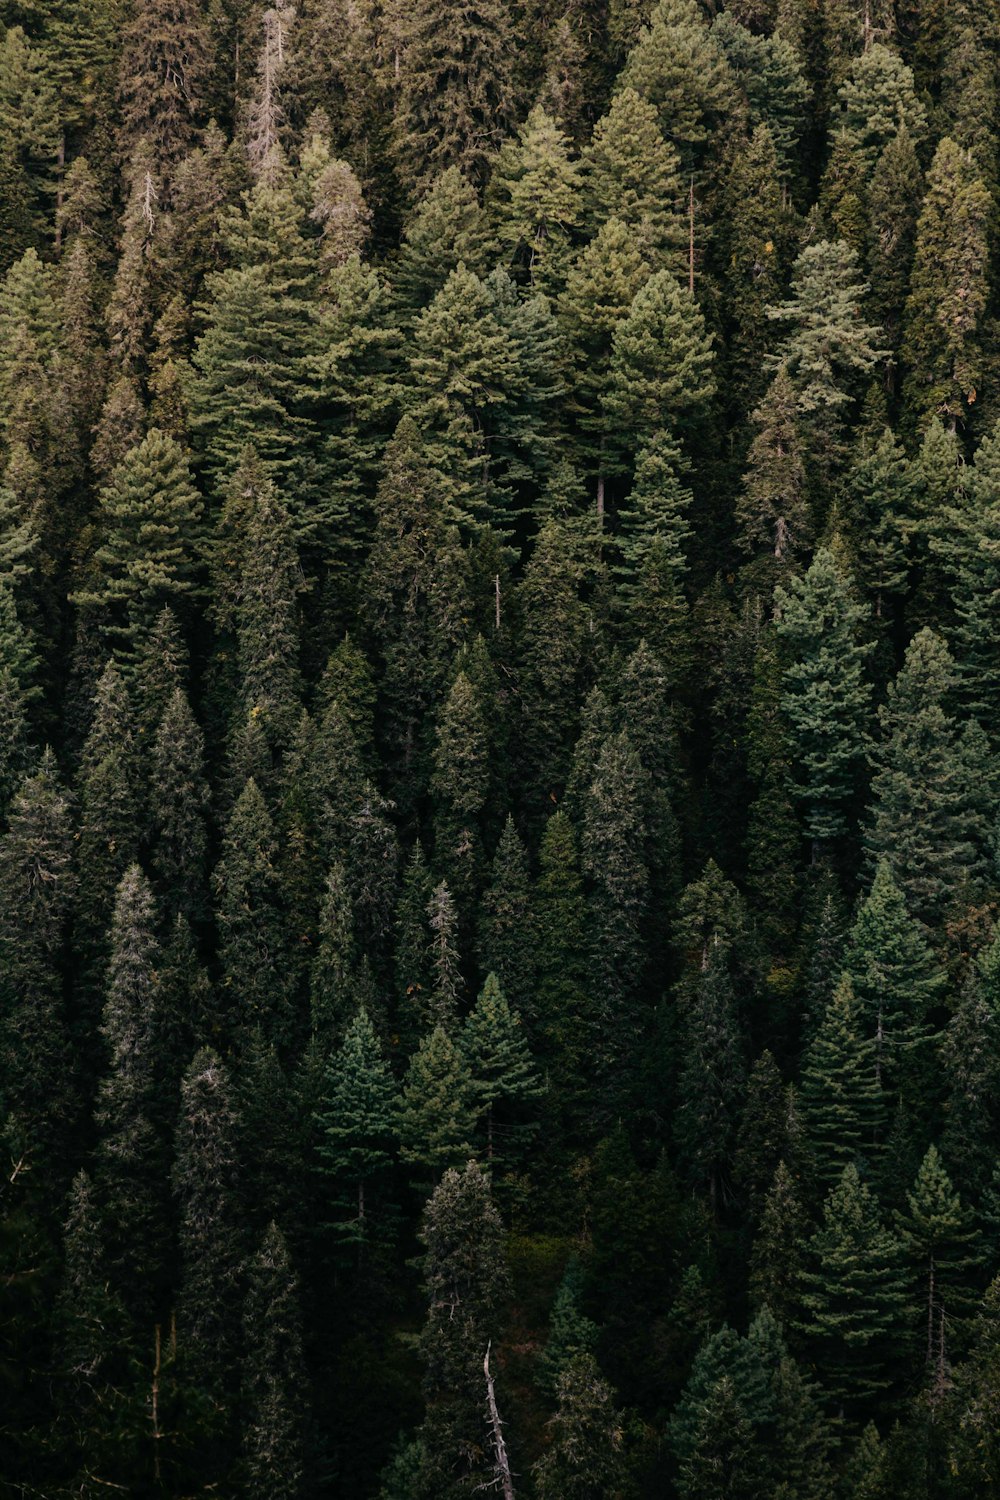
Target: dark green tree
[
  {"x": 840, "y": 1096},
  {"x": 275, "y": 1383},
  {"x": 356, "y": 1124}
]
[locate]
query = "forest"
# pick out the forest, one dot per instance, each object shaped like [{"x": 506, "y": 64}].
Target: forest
[{"x": 500, "y": 749}]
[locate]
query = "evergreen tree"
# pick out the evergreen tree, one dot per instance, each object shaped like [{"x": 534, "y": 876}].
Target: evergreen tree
[
  {"x": 772, "y": 510},
  {"x": 654, "y": 533},
  {"x": 466, "y": 1283},
  {"x": 178, "y": 806},
  {"x": 571, "y": 1333},
  {"x": 943, "y": 1247},
  {"x": 438, "y": 1107},
  {"x": 927, "y": 820},
  {"x": 948, "y": 289},
  {"x": 535, "y": 201},
  {"x": 447, "y": 228},
  {"x": 455, "y": 94},
  {"x": 356, "y": 1120},
  {"x": 710, "y": 1085},
  {"x": 826, "y": 698},
  {"x": 676, "y": 67},
  {"x": 163, "y": 78},
  {"x": 632, "y": 174},
  {"x": 840, "y": 1095},
  {"x": 506, "y": 934},
  {"x": 584, "y": 1460},
  {"x": 776, "y": 1256},
  {"x": 150, "y": 514},
  {"x": 661, "y": 363},
  {"x": 332, "y": 972},
  {"x": 275, "y": 1382},
  {"x": 206, "y": 1184},
  {"x": 501, "y": 1067},
  {"x": 460, "y": 783},
  {"x": 853, "y": 1297},
  {"x": 896, "y": 983}
]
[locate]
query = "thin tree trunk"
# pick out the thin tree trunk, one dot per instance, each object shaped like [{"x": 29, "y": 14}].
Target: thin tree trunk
[{"x": 502, "y": 1463}]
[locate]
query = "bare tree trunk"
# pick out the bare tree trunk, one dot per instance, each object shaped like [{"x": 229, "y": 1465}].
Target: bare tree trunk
[
  {"x": 502, "y": 1463},
  {"x": 497, "y": 583}
]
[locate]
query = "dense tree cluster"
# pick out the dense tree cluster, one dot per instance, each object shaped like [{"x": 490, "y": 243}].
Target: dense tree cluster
[{"x": 499, "y": 752}]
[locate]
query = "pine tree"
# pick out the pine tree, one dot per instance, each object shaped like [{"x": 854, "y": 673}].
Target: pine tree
[
  {"x": 446, "y": 229},
  {"x": 275, "y": 1383},
  {"x": 253, "y": 381},
  {"x": 826, "y": 698},
  {"x": 770, "y": 70},
  {"x": 250, "y": 920},
  {"x": 776, "y": 1256},
  {"x": 571, "y": 1333},
  {"x": 829, "y": 345},
  {"x": 927, "y": 820},
  {"x": 206, "y": 1184},
  {"x": 438, "y": 1108},
  {"x": 630, "y": 173},
  {"x": 943, "y": 1248},
  {"x": 676, "y": 67},
  {"x": 455, "y": 96},
  {"x": 37, "y": 893},
  {"x": 875, "y": 99},
  {"x": 897, "y": 984},
  {"x": 772, "y": 510},
  {"x": 501, "y": 1066},
  {"x": 163, "y": 78},
  {"x": 948, "y": 289},
  {"x": 466, "y": 1283},
  {"x": 129, "y": 1163},
  {"x": 178, "y": 806},
  {"x": 853, "y": 1297},
  {"x": 460, "y": 785},
  {"x": 840, "y": 1096},
  {"x": 148, "y": 558},
  {"x": 661, "y": 364},
  {"x": 356, "y": 1120},
  {"x": 506, "y": 935},
  {"x": 534, "y": 200},
  {"x": 584, "y": 1460},
  {"x": 613, "y": 857}
]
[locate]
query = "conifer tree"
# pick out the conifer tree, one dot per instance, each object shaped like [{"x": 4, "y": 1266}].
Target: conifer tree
[
  {"x": 129, "y": 1161},
  {"x": 178, "y": 807},
  {"x": 943, "y": 1247},
  {"x": 927, "y": 820},
  {"x": 661, "y": 363},
  {"x": 776, "y": 1256},
  {"x": 274, "y": 1431},
  {"x": 356, "y": 1121},
  {"x": 948, "y": 289},
  {"x": 970, "y": 1060},
  {"x": 442, "y": 953},
  {"x": 571, "y": 1332},
  {"x": 460, "y": 784},
  {"x": 250, "y": 921},
  {"x": 632, "y": 174},
  {"x": 534, "y": 198},
  {"x": 676, "y": 67},
  {"x": 455, "y": 93},
  {"x": 710, "y": 1085},
  {"x": 37, "y": 891},
  {"x": 654, "y": 532},
  {"x": 564, "y": 1000},
  {"x": 206, "y": 1184},
  {"x": 410, "y": 958},
  {"x": 332, "y": 971},
  {"x": 148, "y": 557},
  {"x": 840, "y": 1096},
  {"x": 826, "y": 698},
  {"x": 438, "y": 1107},
  {"x": 772, "y": 509},
  {"x": 896, "y": 982},
  {"x": 447, "y": 228},
  {"x": 164, "y": 77},
  {"x": 466, "y": 1283},
  {"x": 877, "y": 98},
  {"x": 506, "y": 935},
  {"x": 499, "y": 1060},
  {"x": 584, "y": 1459},
  {"x": 853, "y": 1297}
]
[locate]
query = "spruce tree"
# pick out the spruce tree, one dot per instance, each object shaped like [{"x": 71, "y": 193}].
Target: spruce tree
[
  {"x": 676, "y": 67},
  {"x": 275, "y": 1382},
  {"x": 948, "y": 289},
  {"x": 661, "y": 364},
  {"x": 506, "y": 934},
  {"x": 772, "y": 510},
  {"x": 355, "y": 1121},
  {"x": 178, "y": 808},
  {"x": 927, "y": 820},
  {"x": 826, "y": 698},
  {"x": 632, "y": 174},
  {"x": 853, "y": 1298},
  {"x": 332, "y": 971},
  {"x": 653, "y": 537},
  {"x": 455, "y": 93},
  {"x": 501, "y": 1066},
  {"x": 840, "y": 1095},
  {"x": 460, "y": 784},
  {"x": 164, "y": 77},
  {"x": 584, "y": 1458},
  {"x": 776, "y": 1255},
  {"x": 445, "y": 229},
  {"x": 438, "y": 1107},
  {"x": 534, "y": 200},
  {"x": 710, "y": 1085},
  {"x": 943, "y": 1248},
  {"x": 571, "y": 1332},
  {"x": 897, "y": 984},
  {"x": 466, "y": 1284}
]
